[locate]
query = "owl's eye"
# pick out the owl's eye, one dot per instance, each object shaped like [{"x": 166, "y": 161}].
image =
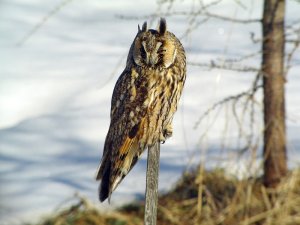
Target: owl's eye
[
  {"x": 143, "y": 52},
  {"x": 161, "y": 50}
]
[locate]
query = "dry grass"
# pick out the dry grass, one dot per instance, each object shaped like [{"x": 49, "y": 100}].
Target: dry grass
[
  {"x": 85, "y": 213},
  {"x": 229, "y": 201},
  {"x": 222, "y": 200}
]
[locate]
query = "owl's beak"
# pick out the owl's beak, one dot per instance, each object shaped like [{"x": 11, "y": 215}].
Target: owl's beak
[{"x": 151, "y": 60}]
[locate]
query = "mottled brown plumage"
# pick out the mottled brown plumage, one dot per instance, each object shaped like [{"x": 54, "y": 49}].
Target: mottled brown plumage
[{"x": 143, "y": 104}]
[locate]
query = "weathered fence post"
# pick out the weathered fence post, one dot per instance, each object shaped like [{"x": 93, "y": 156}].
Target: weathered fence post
[{"x": 152, "y": 185}]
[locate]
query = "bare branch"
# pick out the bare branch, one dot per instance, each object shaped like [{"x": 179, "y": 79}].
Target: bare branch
[
  {"x": 243, "y": 57},
  {"x": 290, "y": 56},
  {"x": 225, "y": 18},
  {"x": 240, "y": 4},
  {"x": 225, "y": 100},
  {"x": 292, "y": 24},
  {"x": 202, "y": 11},
  {"x": 43, "y": 21},
  {"x": 185, "y": 13},
  {"x": 254, "y": 39},
  {"x": 208, "y": 5},
  {"x": 191, "y": 28},
  {"x": 249, "y": 100},
  {"x": 291, "y": 41},
  {"x": 226, "y": 66}
]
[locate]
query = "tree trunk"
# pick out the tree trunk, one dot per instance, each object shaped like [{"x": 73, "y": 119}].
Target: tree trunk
[{"x": 275, "y": 159}]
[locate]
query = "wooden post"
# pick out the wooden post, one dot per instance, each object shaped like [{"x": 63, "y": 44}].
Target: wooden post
[{"x": 152, "y": 185}]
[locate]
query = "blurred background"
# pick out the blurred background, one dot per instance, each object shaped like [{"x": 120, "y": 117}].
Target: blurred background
[{"x": 59, "y": 61}]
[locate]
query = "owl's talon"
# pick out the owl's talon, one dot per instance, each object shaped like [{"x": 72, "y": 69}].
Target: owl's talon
[
  {"x": 168, "y": 131},
  {"x": 162, "y": 138}
]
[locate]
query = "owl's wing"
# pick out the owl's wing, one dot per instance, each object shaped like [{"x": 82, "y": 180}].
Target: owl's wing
[{"x": 122, "y": 149}]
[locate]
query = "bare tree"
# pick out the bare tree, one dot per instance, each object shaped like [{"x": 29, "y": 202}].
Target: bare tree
[{"x": 275, "y": 159}]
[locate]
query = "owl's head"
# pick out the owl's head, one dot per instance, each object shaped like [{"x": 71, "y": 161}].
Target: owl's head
[{"x": 154, "y": 48}]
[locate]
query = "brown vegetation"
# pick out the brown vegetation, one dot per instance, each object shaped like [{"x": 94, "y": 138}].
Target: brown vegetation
[{"x": 223, "y": 200}]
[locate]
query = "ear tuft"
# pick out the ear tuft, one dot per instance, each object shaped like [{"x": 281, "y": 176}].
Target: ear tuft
[
  {"x": 162, "y": 27},
  {"x": 144, "y": 27},
  {"x": 139, "y": 29}
]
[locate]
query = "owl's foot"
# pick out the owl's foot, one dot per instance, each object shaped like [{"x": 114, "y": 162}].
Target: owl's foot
[
  {"x": 162, "y": 139},
  {"x": 167, "y": 132}
]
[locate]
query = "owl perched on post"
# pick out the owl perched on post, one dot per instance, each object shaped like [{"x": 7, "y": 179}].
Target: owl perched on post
[{"x": 143, "y": 104}]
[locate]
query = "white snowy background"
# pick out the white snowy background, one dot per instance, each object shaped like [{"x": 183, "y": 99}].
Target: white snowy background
[{"x": 55, "y": 92}]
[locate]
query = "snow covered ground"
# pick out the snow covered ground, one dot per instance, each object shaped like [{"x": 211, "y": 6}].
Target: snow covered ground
[{"x": 55, "y": 92}]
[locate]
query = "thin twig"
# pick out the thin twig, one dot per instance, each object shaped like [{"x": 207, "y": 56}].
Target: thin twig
[
  {"x": 225, "y": 18},
  {"x": 225, "y": 100},
  {"x": 185, "y": 13},
  {"x": 43, "y": 21},
  {"x": 290, "y": 56},
  {"x": 242, "y": 58},
  {"x": 225, "y": 66}
]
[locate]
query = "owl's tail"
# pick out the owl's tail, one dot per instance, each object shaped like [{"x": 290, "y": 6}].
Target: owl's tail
[
  {"x": 112, "y": 172},
  {"x": 103, "y": 174},
  {"x": 104, "y": 191},
  {"x": 116, "y": 165}
]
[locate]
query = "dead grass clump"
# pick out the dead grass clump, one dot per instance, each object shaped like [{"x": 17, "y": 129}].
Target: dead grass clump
[
  {"x": 85, "y": 213},
  {"x": 230, "y": 201},
  {"x": 202, "y": 197}
]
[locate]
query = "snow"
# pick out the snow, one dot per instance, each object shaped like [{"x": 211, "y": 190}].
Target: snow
[{"x": 56, "y": 87}]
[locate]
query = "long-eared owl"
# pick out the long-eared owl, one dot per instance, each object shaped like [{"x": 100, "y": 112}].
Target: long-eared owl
[{"x": 143, "y": 104}]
